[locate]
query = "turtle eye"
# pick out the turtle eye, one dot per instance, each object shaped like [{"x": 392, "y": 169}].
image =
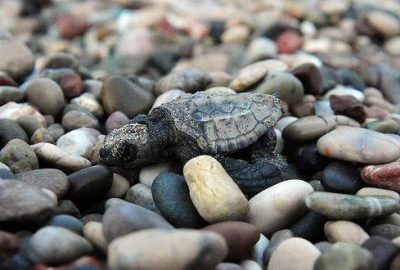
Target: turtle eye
[{"x": 129, "y": 151}]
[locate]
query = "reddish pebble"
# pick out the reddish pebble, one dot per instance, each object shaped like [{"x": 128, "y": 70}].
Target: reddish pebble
[
  {"x": 377, "y": 112},
  {"x": 9, "y": 244},
  {"x": 71, "y": 26},
  {"x": 384, "y": 176},
  {"x": 288, "y": 42},
  {"x": 72, "y": 85},
  {"x": 116, "y": 120},
  {"x": 6, "y": 80}
]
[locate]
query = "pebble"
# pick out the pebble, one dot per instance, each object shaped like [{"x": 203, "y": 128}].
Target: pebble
[
  {"x": 304, "y": 107},
  {"x": 189, "y": 80},
  {"x": 370, "y": 191},
  {"x": 20, "y": 202},
  {"x": 228, "y": 266},
  {"x": 119, "y": 187},
  {"x": 341, "y": 177},
  {"x": 67, "y": 207},
  {"x": 213, "y": 192},
  {"x": 250, "y": 265},
  {"x": 78, "y": 141},
  {"x": 310, "y": 77},
  {"x": 56, "y": 245},
  {"x": 122, "y": 219},
  {"x": 259, "y": 248},
  {"x": 11, "y": 94},
  {"x": 166, "y": 97},
  {"x": 43, "y": 87},
  {"x": 10, "y": 130},
  {"x": 383, "y": 176},
  {"x": 88, "y": 102},
  {"x": 13, "y": 111},
  {"x": 75, "y": 119},
  {"x": 349, "y": 106},
  {"x": 254, "y": 73},
  {"x": 58, "y": 158},
  {"x": 345, "y": 91},
  {"x": 359, "y": 145},
  {"x": 239, "y": 236},
  {"x": 202, "y": 250},
  {"x": 310, "y": 227},
  {"x": 345, "y": 231},
  {"x": 16, "y": 59},
  {"x": 276, "y": 239},
  {"x": 288, "y": 42},
  {"x": 345, "y": 256},
  {"x": 308, "y": 159},
  {"x": 284, "y": 122},
  {"x": 120, "y": 94},
  {"x": 383, "y": 251},
  {"x": 29, "y": 123},
  {"x": 282, "y": 84},
  {"x": 116, "y": 120},
  {"x": 93, "y": 231},
  {"x": 90, "y": 184},
  {"x": 5, "y": 172},
  {"x": 388, "y": 231},
  {"x": 278, "y": 206},
  {"x": 349, "y": 207},
  {"x": 51, "y": 179},
  {"x": 260, "y": 48},
  {"x": 384, "y": 126},
  {"x": 68, "y": 222},
  {"x": 383, "y": 23},
  {"x": 141, "y": 195},
  {"x": 55, "y": 131},
  {"x": 171, "y": 195},
  {"x": 18, "y": 156},
  {"x": 149, "y": 173},
  {"x": 294, "y": 253}
]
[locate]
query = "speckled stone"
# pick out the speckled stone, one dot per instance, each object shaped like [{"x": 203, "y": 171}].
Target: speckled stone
[
  {"x": 124, "y": 218},
  {"x": 359, "y": 145},
  {"x": 202, "y": 250},
  {"x": 171, "y": 195},
  {"x": 345, "y": 231},
  {"x": 18, "y": 156},
  {"x": 345, "y": 256},
  {"x": 349, "y": 207}
]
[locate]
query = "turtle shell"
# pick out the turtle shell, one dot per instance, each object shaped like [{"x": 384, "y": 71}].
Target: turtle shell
[{"x": 223, "y": 122}]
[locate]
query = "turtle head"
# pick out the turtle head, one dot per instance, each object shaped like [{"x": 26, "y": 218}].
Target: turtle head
[{"x": 128, "y": 146}]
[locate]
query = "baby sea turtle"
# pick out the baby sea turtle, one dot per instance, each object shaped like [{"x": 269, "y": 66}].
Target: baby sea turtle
[{"x": 217, "y": 124}]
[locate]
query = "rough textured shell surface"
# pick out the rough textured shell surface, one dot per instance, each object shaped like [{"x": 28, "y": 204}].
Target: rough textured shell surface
[{"x": 223, "y": 122}]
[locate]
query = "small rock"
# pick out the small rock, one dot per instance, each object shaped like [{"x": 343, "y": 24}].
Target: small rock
[
  {"x": 383, "y": 251},
  {"x": 149, "y": 173},
  {"x": 166, "y": 97},
  {"x": 5, "y": 172},
  {"x": 29, "y": 123},
  {"x": 51, "y": 179},
  {"x": 124, "y": 218},
  {"x": 89, "y": 103},
  {"x": 20, "y": 202},
  {"x": 310, "y": 77},
  {"x": 90, "y": 184},
  {"x": 276, "y": 239},
  {"x": 304, "y": 107},
  {"x": 383, "y": 23},
  {"x": 345, "y": 231},
  {"x": 171, "y": 195},
  {"x": 213, "y": 192},
  {"x": 228, "y": 266},
  {"x": 68, "y": 222},
  {"x": 55, "y": 245},
  {"x": 288, "y": 42},
  {"x": 116, "y": 120},
  {"x": 56, "y": 131},
  {"x": 341, "y": 177},
  {"x": 189, "y": 80},
  {"x": 119, "y": 94},
  {"x": 67, "y": 207},
  {"x": 93, "y": 231},
  {"x": 11, "y": 93},
  {"x": 384, "y": 176},
  {"x": 384, "y": 126},
  {"x": 345, "y": 256},
  {"x": 202, "y": 250},
  {"x": 71, "y": 26},
  {"x": 345, "y": 91},
  {"x": 309, "y": 227},
  {"x": 58, "y": 158},
  {"x": 308, "y": 159},
  {"x": 260, "y": 48},
  {"x": 119, "y": 187},
  {"x": 78, "y": 141},
  {"x": 239, "y": 236},
  {"x": 349, "y": 207},
  {"x": 294, "y": 253},
  {"x": 72, "y": 85},
  {"x": 141, "y": 195},
  {"x": 278, "y": 206},
  {"x": 259, "y": 248},
  {"x": 43, "y": 87},
  {"x": 9, "y": 244},
  {"x": 16, "y": 59},
  {"x": 78, "y": 119},
  {"x": 388, "y": 231},
  {"x": 359, "y": 145},
  {"x": 370, "y": 191},
  {"x": 13, "y": 111},
  {"x": 10, "y": 130},
  {"x": 18, "y": 156},
  {"x": 41, "y": 135},
  {"x": 286, "y": 86},
  {"x": 284, "y": 122},
  {"x": 349, "y": 106}
]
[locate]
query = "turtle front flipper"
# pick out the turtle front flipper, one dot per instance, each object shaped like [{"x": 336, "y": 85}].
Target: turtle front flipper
[{"x": 251, "y": 178}]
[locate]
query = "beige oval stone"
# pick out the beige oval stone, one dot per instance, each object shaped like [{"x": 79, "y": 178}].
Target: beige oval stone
[
  {"x": 253, "y": 73},
  {"x": 278, "y": 206},
  {"x": 345, "y": 231},
  {"x": 213, "y": 192},
  {"x": 294, "y": 254},
  {"x": 370, "y": 191},
  {"x": 93, "y": 231},
  {"x": 359, "y": 145},
  {"x": 166, "y": 250},
  {"x": 384, "y": 23}
]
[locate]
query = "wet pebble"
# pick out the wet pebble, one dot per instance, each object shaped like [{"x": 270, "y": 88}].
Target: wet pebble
[
  {"x": 341, "y": 177},
  {"x": 383, "y": 176},
  {"x": 310, "y": 227},
  {"x": 370, "y": 191},
  {"x": 68, "y": 222},
  {"x": 5, "y": 172}
]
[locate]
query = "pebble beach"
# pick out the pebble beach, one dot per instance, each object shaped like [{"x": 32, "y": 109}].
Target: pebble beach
[{"x": 199, "y": 135}]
